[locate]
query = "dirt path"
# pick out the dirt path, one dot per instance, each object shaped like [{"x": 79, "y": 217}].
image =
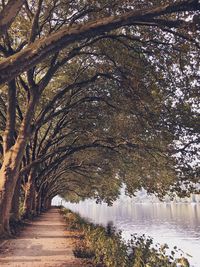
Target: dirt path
[{"x": 45, "y": 242}]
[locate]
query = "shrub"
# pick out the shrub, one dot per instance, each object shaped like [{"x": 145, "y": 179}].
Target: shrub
[{"x": 106, "y": 247}]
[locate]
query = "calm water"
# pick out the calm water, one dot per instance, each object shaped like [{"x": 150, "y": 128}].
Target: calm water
[{"x": 174, "y": 224}]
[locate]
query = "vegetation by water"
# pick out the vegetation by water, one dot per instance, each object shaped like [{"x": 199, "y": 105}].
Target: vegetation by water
[
  {"x": 104, "y": 246},
  {"x": 96, "y": 95}
]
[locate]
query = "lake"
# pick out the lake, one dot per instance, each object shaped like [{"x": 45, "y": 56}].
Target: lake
[{"x": 172, "y": 223}]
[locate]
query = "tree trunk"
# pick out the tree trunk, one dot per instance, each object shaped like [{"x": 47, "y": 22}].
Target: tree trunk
[
  {"x": 47, "y": 203},
  {"x": 15, "y": 212},
  {"x": 9, "y": 172},
  {"x": 8, "y": 179},
  {"x": 34, "y": 202},
  {"x": 28, "y": 208},
  {"x": 38, "y": 203},
  {"x": 9, "y": 133}
]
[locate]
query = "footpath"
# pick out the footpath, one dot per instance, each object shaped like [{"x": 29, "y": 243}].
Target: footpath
[{"x": 45, "y": 242}]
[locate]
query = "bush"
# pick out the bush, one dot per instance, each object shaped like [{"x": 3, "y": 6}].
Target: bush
[
  {"x": 74, "y": 221},
  {"x": 106, "y": 247}
]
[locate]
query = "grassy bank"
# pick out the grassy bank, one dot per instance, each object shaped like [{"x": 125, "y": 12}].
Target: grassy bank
[{"x": 104, "y": 246}]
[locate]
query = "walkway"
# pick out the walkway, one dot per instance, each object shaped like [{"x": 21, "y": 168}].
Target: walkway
[{"x": 44, "y": 243}]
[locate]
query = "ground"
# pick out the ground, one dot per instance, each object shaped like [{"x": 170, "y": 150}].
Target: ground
[{"x": 45, "y": 242}]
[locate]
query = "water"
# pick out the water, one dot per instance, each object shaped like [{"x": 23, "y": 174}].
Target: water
[{"x": 174, "y": 224}]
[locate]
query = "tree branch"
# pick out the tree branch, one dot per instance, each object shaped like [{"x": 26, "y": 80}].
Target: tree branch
[
  {"x": 40, "y": 49},
  {"x": 8, "y": 14}
]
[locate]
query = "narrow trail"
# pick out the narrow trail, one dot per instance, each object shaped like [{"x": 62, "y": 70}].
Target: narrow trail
[{"x": 45, "y": 242}]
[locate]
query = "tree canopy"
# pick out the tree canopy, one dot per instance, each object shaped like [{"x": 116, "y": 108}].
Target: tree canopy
[{"x": 96, "y": 94}]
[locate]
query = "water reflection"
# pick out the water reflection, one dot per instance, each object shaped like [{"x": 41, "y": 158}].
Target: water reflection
[{"x": 174, "y": 224}]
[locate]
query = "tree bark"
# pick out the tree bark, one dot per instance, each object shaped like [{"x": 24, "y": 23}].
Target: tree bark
[
  {"x": 28, "y": 208},
  {"x": 9, "y": 133},
  {"x": 8, "y": 179},
  {"x": 15, "y": 212},
  {"x": 34, "y": 202},
  {"x": 8, "y": 14},
  {"x": 47, "y": 203},
  {"x": 38, "y": 204},
  {"x": 9, "y": 172}
]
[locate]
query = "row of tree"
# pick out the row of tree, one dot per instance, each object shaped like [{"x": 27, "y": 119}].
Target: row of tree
[{"x": 96, "y": 94}]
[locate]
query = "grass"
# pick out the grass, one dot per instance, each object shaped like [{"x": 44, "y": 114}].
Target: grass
[{"x": 105, "y": 247}]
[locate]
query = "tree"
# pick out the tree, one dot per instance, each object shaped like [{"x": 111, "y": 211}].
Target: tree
[
  {"x": 37, "y": 51},
  {"x": 59, "y": 40},
  {"x": 8, "y": 14}
]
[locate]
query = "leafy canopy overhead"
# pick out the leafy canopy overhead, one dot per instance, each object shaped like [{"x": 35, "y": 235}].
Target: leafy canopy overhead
[{"x": 118, "y": 86}]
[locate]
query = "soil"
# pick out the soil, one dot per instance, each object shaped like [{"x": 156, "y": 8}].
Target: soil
[{"x": 45, "y": 242}]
